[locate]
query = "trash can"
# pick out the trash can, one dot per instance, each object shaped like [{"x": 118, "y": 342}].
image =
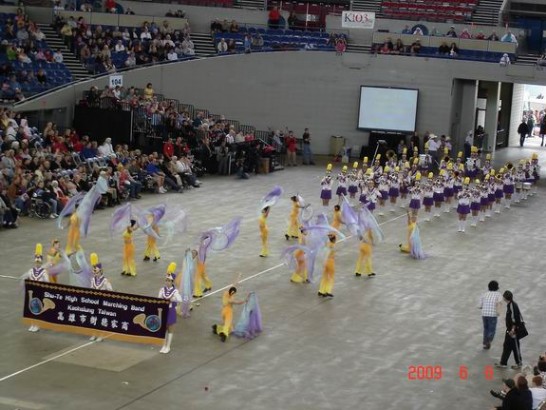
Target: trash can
[
  {"x": 336, "y": 144},
  {"x": 264, "y": 166}
]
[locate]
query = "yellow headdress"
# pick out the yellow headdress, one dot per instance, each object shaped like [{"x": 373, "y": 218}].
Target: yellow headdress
[
  {"x": 466, "y": 181},
  {"x": 446, "y": 151},
  {"x": 369, "y": 171},
  {"x": 488, "y": 157},
  {"x": 450, "y": 166},
  {"x": 405, "y": 151},
  {"x": 474, "y": 149},
  {"x": 94, "y": 259},
  {"x": 344, "y": 169},
  {"x": 38, "y": 251},
  {"x": 386, "y": 169},
  {"x": 477, "y": 181},
  {"x": 534, "y": 155},
  {"x": 492, "y": 171},
  {"x": 442, "y": 172},
  {"x": 329, "y": 168},
  {"x": 170, "y": 271},
  {"x": 378, "y": 157},
  {"x": 418, "y": 176},
  {"x": 355, "y": 165},
  {"x": 426, "y": 145},
  {"x": 397, "y": 169},
  {"x": 460, "y": 154},
  {"x": 501, "y": 170},
  {"x": 430, "y": 175},
  {"x": 365, "y": 161},
  {"x": 415, "y": 161}
]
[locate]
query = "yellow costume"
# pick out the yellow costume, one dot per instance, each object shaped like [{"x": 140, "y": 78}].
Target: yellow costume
[
  {"x": 73, "y": 241},
  {"x": 129, "y": 267},
  {"x": 327, "y": 280},
  {"x": 201, "y": 279},
  {"x": 407, "y": 247},
  {"x": 264, "y": 233},
  {"x": 364, "y": 261},
  {"x": 293, "y": 222},
  {"x": 300, "y": 275},
  {"x": 227, "y": 315},
  {"x": 53, "y": 258},
  {"x": 151, "y": 246},
  {"x": 336, "y": 222}
]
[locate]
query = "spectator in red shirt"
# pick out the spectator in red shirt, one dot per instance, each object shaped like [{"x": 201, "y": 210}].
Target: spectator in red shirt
[
  {"x": 168, "y": 148},
  {"x": 290, "y": 142},
  {"x": 274, "y": 18},
  {"x": 109, "y": 5},
  {"x": 59, "y": 146}
]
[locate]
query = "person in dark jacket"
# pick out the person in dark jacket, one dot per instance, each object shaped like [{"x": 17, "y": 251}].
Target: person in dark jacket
[
  {"x": 543, "y": 129},
  {"x": 515, "y": 395},
  {"x": 523, "y": 130},
  {"x": 511, "y": 341}
]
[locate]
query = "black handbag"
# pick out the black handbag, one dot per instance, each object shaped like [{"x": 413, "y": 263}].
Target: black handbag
[{"x": 521, "y": 330}]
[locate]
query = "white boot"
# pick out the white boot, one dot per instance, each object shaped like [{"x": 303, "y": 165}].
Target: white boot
[
  {"x": 463, "y": 225},
  {"x": 93, "y": 338},
  {"x": 167, "y": 346}
]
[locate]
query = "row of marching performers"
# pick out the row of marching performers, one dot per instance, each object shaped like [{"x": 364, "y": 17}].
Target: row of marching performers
[{"x": 379, "y": 187}]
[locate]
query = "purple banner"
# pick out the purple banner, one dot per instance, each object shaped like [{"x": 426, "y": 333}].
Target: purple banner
[{"x": 112, "y": 315}]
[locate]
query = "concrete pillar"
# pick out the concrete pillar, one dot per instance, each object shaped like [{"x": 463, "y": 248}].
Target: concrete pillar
[
  {"x": 516, "y": 114},
  {"x": 463, "y": 111},
  {"x": 491, "y": 113}
]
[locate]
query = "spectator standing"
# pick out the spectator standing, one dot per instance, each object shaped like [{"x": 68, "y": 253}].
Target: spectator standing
[
  {"x": 290, "y": 141},
  {"x": 433, "y": 146},
  {"x": 511, "y": 341},
  {"x": 490, "y": 305},
  {"x": 523, "y": 130},
  {"x": 307, "y": 153},
  {"x": 509, "y": 38},
  {"x": 542, "y": 129},
  {"x": 274, "y": 18}
]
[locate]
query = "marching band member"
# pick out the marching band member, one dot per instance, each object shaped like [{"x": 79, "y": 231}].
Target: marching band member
[
  {"x": 129, "y": 268},
  {"x": 394, "y": 187},
  {"x": 383, "y": 187},
  {"x": 403, "y": 163},
  {"x": 405, "y": 184},
  {"x": 53, "y": 257},
  {"x": 326, "y": 186},
  {"x": 484, "y": 198},
  {"x": 341, "y": 190},
  {"x": 292, "y": 231},
  {"x": 457, "y": 183},
  {"x": 463, "y": 201},
  {"x": 486, "y": 168},
  {"x": 336, "y": 219},
  {"x": 520, "y": 176},
  {"x": 38, "y": 273},
  {"x": 300, "y": 274},
  {"x": 473, "y": 163},
  {"x": 377, "y": 169},
  {"x": 415, "y": 195},
  {"x": 365, "y": 167},
  {"x": 535, "y": 172},
  {"x": 364, "y": 263},
  {"x": 371, "y": 195},
  {"x": 353, "y": 181},
  {"x": 475, "y": 202},
  {"x": 328, "y": 274},
  {"x": 98, "y": 281},
  {"x": 151, "y": 246},
  {"x": 449, "y": 191},
  {"x": 228, "y": 300},
  {"x": 508, "y": 185},
  {"x": 459, "y": 166},
  {"x": 438, "y": 195},
  {"x": 170, "y": 292},
  {"x": 264, "y": 231},
  {"x": 428, "y": 196},
  {"x": 499, "y": 192},
  {"x": 490, "y": 192}
]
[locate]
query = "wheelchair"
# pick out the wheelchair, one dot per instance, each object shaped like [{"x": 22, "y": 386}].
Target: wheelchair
[{"x": 39, "y": 208}]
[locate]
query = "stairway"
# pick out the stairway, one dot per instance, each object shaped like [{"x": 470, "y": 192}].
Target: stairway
[
  {"x": 71, "y": 62},
  {"x": 204, "y": 47},
  {"x": 359, "y": 48},
  {"x": 487, "y": 12},
  {"x": 249, "y": 4},
  {"x": 527, "y": 59},
  {"x": 367, "y": 5}
]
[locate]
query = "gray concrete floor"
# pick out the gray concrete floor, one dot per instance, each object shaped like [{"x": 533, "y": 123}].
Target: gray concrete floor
[{"x": 351, "y": 352}]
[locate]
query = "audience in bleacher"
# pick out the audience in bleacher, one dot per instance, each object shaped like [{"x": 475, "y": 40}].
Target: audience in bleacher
[
  {"x": 106, "y": 49},
  {"x": 23, "y": 54}
]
